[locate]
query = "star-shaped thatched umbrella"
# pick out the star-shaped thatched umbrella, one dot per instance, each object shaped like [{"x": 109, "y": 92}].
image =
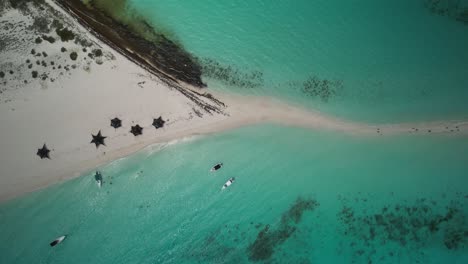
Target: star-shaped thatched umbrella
[
  {"x": 43, "y": 152},
  {"x": 158, "y": 122},
  {"x": 116, "y": 123},
  {"x": 136, "y": 130},
  {"x": 98, "y": 139}
]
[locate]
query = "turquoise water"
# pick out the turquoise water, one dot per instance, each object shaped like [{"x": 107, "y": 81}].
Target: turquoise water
[
  {"x": 326, "y": 198},
  {"x": 377, "y": 61}
]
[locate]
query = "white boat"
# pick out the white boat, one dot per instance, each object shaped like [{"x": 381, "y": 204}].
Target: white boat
[
  {"x": 216, "y": 167},
  {"x": 228, "y": 183},
  {"x": 99, "y": 183},
  {"x": 57, "y": 241}
]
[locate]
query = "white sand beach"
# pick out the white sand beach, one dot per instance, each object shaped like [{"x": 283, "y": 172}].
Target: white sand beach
[{"x": 81, "y": 101}]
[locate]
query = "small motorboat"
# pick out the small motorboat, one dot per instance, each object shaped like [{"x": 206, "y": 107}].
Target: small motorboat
[
  {"x": 98, "y": 178},
  {"x": 216, "y": 167},
  {"x": 228, "y": 183},
  {"x": 57, "y": 241}
]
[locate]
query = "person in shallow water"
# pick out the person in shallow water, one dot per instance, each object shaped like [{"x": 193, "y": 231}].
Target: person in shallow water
[
  {"x": 217, "y": 167},
  {"x": 98, "y": 178}
]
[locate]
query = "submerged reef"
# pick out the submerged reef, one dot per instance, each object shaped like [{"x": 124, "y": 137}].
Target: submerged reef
[
  {"x": 321, "y": 88},
  {"x": 232, "y": 242},
  {"x": 231, "y": 75},
  {"x": 405, "y": 225},
  {"x": 269, "y": 238},
  {"x": 453, "y": 9}
]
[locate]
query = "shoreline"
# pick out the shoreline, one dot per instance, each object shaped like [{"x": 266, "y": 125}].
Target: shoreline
[
  {"x": 64, "y": 113},
  {"x": 268, "y": 111}
]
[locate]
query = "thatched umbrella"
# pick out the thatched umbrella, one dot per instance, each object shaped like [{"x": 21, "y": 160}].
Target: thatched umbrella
[
  {"x": 98, "y": 139},
  {"x": 136, "y": 130},
  {"x": 158, "y": 122},
  {"x": 43, "y": 152},
  {"x": 116, "y": 123}
]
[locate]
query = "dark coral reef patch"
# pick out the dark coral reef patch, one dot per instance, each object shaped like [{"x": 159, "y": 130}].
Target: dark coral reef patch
[
  {"x": 321, "y": 88},
  {"x": 414, "y": 225},
  {"x": 268, "y": 239},
  {"x": 231, "y": 75},
  {"x": 456, "y": 10}
]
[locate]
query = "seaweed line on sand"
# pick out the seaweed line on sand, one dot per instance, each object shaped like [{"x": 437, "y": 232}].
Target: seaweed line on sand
[{"x": 100, "y": 25}]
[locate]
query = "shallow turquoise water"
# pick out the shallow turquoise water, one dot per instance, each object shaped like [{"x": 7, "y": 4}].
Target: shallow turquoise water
[
  {"x": 399, "y": 199},
  {"x": 383, "y": 60}
]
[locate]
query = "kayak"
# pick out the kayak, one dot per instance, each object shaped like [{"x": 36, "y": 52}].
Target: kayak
[
  {"x": 216, "y": 167},
  {"x": 57, "y": 241}
]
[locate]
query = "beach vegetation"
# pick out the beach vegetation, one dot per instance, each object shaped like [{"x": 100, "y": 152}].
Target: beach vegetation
[
  {"x": 83, "y": 41},
  {"x": 24, "y": 5},
  {"x": 56, "y": 24},
  {"x": 49, "y": 39},
  {"x": 65, "y": 34},
  {"x": 97, "y": 52},
  {"x": 73, "y": 55},
  {"x": 41, "y": 24}
]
